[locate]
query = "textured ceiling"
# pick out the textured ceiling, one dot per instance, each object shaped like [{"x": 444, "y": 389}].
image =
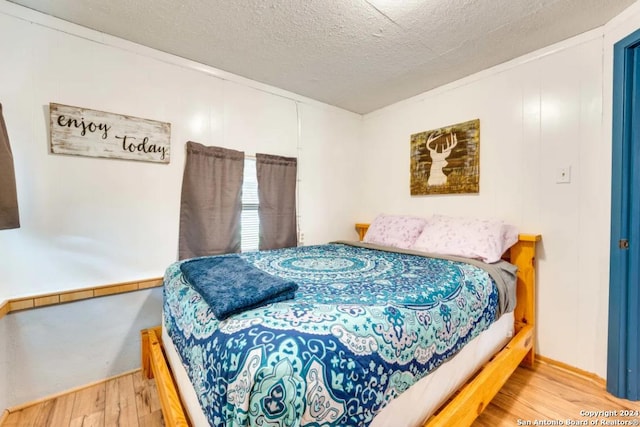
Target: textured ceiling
[{"x": 356, "y": 54}]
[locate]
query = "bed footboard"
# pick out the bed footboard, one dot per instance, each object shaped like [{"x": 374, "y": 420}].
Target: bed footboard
[{"x": 474, "y": 396}]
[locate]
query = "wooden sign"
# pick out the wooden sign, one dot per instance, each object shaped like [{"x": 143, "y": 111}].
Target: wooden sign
[
  {"x": 83, "y": 132},
  {"x": 446, "y": 160}
]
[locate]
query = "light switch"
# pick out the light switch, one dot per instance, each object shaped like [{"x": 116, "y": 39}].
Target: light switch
[{"x": 563, "y": 175}]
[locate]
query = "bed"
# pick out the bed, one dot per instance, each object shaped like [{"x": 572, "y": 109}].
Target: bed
[{"x": 334, "y": 386}]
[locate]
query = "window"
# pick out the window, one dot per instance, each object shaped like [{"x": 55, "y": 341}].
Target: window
[{"x": 249, "y": 220}]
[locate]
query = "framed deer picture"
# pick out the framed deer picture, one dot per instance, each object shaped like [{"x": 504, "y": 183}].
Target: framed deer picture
[{"x": 446, "y": 160}]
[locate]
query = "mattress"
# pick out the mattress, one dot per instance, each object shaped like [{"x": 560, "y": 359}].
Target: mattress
[
  {"x": 412, "y": 407},
  {"x": 365, "y": 326}
]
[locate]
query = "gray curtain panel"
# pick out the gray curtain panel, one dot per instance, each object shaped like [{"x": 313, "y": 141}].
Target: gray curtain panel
[
  {"x": 9, "y": 217},
  {"x": 211, "y": 202},
  {"x": 277, "y": 195}
]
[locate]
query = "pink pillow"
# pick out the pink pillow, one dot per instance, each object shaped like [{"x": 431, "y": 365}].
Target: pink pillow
[
  {"x": 394, "y": 230},
  {"x": 482, "y": 239}
]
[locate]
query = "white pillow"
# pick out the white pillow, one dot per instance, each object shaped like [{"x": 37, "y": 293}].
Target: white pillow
[
  {"x": 483, "y": 239},
  {"x": 399, "y": 231}
]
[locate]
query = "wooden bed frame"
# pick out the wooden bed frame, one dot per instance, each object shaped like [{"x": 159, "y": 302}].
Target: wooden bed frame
[{"x": 461, "y": 410}]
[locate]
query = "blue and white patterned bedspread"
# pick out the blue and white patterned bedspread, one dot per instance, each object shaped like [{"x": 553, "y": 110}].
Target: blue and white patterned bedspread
[{"x": 363, "y": 327}]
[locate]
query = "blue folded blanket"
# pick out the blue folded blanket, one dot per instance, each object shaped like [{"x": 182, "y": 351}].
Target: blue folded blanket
[{"x": 231, "y": 285}]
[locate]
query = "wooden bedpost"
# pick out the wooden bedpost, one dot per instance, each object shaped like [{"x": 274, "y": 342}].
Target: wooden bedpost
[
  {"x": 144, "y": 353},
  {"x": 154, "y": 365},
  {"x": 145, "y": 349},
  {"x": 523, "y": 255},
  {"x": 361, "y": 228}
]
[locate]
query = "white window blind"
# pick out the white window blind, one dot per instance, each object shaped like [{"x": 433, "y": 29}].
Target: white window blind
[{"x": 250, "y": 222}]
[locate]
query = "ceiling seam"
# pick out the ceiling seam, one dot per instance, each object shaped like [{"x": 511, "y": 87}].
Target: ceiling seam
[{"x": 383, "y": 14}]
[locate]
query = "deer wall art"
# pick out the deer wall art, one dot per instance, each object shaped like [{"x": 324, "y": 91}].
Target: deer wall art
[{"x": 446, "y": 160}]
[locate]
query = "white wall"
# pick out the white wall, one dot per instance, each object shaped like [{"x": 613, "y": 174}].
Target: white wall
[
  {"x": 538, "y": 113},
  {"x": 89, "y": 222},
  {"x": 337, "y": 169},
  {"x": 65, "y": 346}
]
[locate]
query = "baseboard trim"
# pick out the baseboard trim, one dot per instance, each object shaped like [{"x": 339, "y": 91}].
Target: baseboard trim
[
  {"x": 62, "y": 393},
  {"x": 44, "y": 300},
  {"x": 595, "y": 378}
]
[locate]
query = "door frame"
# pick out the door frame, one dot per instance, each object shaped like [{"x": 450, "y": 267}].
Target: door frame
[{"x": 623, "y": 359}]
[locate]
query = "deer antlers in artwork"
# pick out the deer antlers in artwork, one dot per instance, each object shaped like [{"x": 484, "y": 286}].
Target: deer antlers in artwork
[
  {"x": 438, "y": 158},
  {"x": 449, "y": 144}
]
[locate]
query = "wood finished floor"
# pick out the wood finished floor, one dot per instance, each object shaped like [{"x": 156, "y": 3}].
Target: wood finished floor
[
  {"x": 127, "y": 401},
  {"x": 544, "y": 393}
]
